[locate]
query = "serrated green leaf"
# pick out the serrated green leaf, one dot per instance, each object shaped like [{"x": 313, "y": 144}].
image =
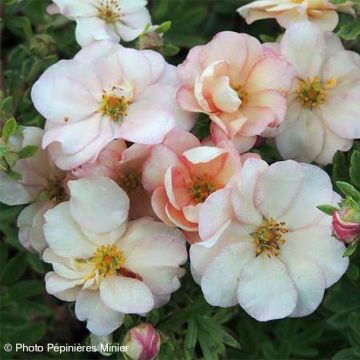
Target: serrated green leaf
[
  {"x": 350, "y": 31},
  {"x": 27, "y": 151},
  {"x": 355, "y": 168},
  {"x": 327, "y": 209},
  {"x": 348, "y": 190},
  {"x": 9, "y": 129}
]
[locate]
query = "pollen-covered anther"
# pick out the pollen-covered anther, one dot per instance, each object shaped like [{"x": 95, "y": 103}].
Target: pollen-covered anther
[
  {"x": 268, "y": 237},
  {"x": 130, "y": 181},
  {"x": 109, "y": 11},
  {"x": 55, "y": 189},
  {"x": 114, "y": 106},
  {"x": 201, "y": 187},
  {"x": 313, "y": 92},
  {"x": 242, "y": 94},
  {"x": 107, "y": 260}
]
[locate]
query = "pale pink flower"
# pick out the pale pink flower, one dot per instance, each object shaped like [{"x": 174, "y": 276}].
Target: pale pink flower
[
  {"x": 323, "y": 114},
  {"x": 108, "y": 265},
  {"x": 142, "y": 342},
  {"x": 188, "y": 180},
  {"x": 265, "y": 244},
  {"x": 104, "y": 19},
  {"x": 42, "y": 185},
  {"x": 344, "y": 229},
  {"x": 239, "y": 83},
  {"x": 106, "y": 92},
  {"x": 321, "y": 13}
]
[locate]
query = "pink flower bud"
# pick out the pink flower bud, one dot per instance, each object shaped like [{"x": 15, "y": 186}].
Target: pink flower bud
[
  {"x": 346, "y": 231},
  {"x": 143, "y": 342}
]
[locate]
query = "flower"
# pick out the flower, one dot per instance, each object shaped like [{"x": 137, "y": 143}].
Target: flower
[
  {"x": 106, "y": 92},
  {"x": 322, "y": 13},
  {"x": 109, "y": 266},
  {"x": 142, "y": 342},
  {"x": 105, "y": 19},
  {"x": 346, "y": 224},
  {"x": 239, "y": 83},
  {"x": 42, "y": 185},
  {"x": 323, "y": 114},
  {"x": 265, "y": 244}
]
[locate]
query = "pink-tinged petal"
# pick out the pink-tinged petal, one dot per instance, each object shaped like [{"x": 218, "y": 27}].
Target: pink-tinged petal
[
  {"x": 301, "y": 135},
  {"x": 154, "y": 169},
  {"x": 224, "y": 96},
  {"x": 180, "y": 141},
  {"x": 133, "y": 24},
  {"x": 303, "y": 46},
  {"x": 258, "y": 119},
  {"x": 316, "y": 189},
  {"x": 146, "y": 126},
  {"x": 126, "y": 295},
  {"x": 203, "y": 154},
  {"x": 158, "y": 64},
  {"x": 149, "y": 243},
  {"x": 318, "y": 244},
  {"x": 99, "y": 50},
  {"x": 242, "y": 196},
  {"x": 101, "y": 320},
  {"x": 265, "y": 290},
  {"x": 190, "y": 68},
  {"x": 73, "y": 137},
  {"x": 324, "y": 20},
  {"x": 62, "y": 96},
  {"x": 192, "y": 212},
  {"x": 186, "y": 99},
  {"x": 220, "y": 280},
  {"x": 177, "y": 217},
  {"x": 278, "y": 187},
  {"x": 214, "y": 213},
  {"x": 270, "y": 73},
  {"x": 159, "y": 201},
  {"x": 172, "y": 179},
  {"x": 64, "y": 235},
  {"x": 91, "y": 29},
  {"x": 98, "y": 204},
  {"x": 309, "y": 282},
  {"x": 80, "y": 8},
  {"x": 56, "y": 284},
  {"x": 271, "y": 99},
  {"x": 341, "y": 112},
  {"x": 192, "y": 237}
]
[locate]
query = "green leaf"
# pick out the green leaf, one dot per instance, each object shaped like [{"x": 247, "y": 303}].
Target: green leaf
[
  {"x": 164, "y": 27},
  {"x": 14, "y": 269},
  {"x": 350, "y": 31},
  {"x": 340, "y": 170},
  {"x": 348, "y": 190},
  {"x": 11, "y": 158},
  {"x": 355, "y": 168},
  {"x": 9, "y": 129},
  {"x": 26, "y": 289},
  {"x": 29, "y": 334},
  {"x": 27, "y": 151},
  {"x": 327, "y": 209},
  {"x": 20, "y": 26},
  {"x": 35, "y": 263},
  {"x": 14, "y": 175},
  {"x": 169, "y": 50},
  {"x": 191, "y": 336},
  {"x": 7, "y": 107},
  {"x": 351, "y": 249}
]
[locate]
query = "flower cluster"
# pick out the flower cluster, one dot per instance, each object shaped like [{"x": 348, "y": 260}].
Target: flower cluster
[{"x": 119, "y": 185}]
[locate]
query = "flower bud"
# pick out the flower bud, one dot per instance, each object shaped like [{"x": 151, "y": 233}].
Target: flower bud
[
  {"x": 344, "y": 227},
  {"x": 142, "y": 342},
  {"x": 42, "y": 45}
]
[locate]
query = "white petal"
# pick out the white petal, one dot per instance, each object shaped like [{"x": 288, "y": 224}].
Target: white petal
[
  {"x": 266, "y": 290},
  {"x": 98, "y": 204},
  {"x": 101, "y": 320},
  {"x": 126, "y": 295}
]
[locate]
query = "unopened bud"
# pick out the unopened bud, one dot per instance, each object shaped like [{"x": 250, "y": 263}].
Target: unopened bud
[
  {"x": 344, "y": 228},
  {"x": 42, "y": 45}
]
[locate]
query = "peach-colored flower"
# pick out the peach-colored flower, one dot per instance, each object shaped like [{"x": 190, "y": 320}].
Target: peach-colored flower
[
  {"x": 189, "y": 180},
  {"x": 239, "y": 83},
  {"x": 322, "y": 13}
]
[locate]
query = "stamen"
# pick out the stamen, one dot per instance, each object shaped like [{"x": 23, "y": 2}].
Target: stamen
[
  {"x": 55, "y": 190},
  {"x": 201, "y": 187},
  {"x": 130, "y": 181},
  {"x": 109, "y": 11},
  {"x": 113, "y": 106}
]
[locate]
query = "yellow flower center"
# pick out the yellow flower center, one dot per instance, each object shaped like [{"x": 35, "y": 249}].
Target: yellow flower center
[
  {"x": 109, "y": 11},
  {"x": 113, "y": 106},
  {"x": 297, "y": 1},
  {"x": 55, "y": 190},
  {"x": 313, "y": 92},
  {"x": 130, "y": 181},
  {"x": 242, "y": 94},
  {"x": 107, "y": 259},
  {"x": 201, "y": 187},
  {"x": 268, "y": 237}
]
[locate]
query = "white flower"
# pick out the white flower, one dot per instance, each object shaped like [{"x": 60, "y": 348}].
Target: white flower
[
  {"x": 42, "y": 185},
  {"x": 105, "y": 19},
  {"x": 266, "y": 245},
  {"x": 323, "y": 113},
  {"x": 108, "y": 266}
]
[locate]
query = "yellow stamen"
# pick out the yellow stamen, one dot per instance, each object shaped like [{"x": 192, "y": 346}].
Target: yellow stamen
[
  {"x": 242, "y": 94},
  {"x": 268, "y": 237},
  {"x": 109, "y": 11},
  {"x": 113, "y": 106},
  {"x": 107, "y": 260},
  {"x": 201, "y": 187},
  {"x": 130, "y": 181}
]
